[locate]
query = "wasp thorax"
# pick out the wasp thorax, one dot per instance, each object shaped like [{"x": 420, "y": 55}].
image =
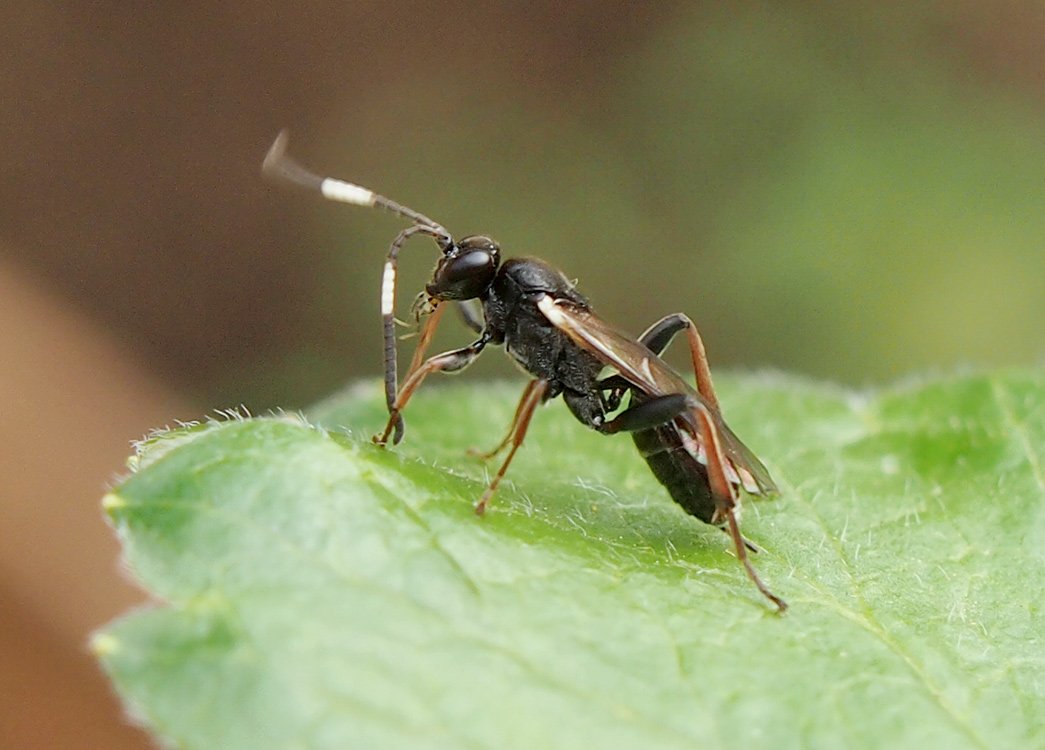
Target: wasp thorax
[{"x": 466, "y": 270}]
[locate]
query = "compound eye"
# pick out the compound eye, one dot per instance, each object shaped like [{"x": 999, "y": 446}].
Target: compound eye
[
  {"x": 462, "y": 269},
  {"x": 466, "y": 272}
]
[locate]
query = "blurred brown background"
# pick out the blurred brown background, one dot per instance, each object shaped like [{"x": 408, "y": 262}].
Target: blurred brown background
[{"x": 846, "y": 192}]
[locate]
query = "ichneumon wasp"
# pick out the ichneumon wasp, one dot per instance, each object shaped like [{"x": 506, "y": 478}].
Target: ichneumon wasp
[{"x": 550, "y": 330}]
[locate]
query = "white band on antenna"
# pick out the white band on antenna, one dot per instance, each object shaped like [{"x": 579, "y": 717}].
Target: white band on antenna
[
  {"x": 388, "y": 285},
  {"x": 346, "y": 192}
]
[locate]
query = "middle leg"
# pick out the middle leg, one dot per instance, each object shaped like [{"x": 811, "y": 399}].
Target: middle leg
[
  {"x": 487, "y": 455},
  {"x": 532, "y": 398},
  {"x": 453, "y": 361}
]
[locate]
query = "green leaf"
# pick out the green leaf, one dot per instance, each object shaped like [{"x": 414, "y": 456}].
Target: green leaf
[{"x": 315, "y": 591}]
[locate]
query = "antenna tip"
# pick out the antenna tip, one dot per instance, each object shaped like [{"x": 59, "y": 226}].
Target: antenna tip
[
  {"x": 279, "y": 167},
  {"x": 276, "y": 153}
]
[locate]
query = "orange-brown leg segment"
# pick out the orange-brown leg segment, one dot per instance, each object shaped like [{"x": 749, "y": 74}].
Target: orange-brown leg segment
[
  {"x": 487, "y": 455},
  {"x": 388, "y": 295},
  {"x": 726, "y": 499},
  {"x": 425, "y": 338},
  {"x": 532, "y": 398},
  {"x": 452, "y": 361},
  {"x": 659, "y": 335}
]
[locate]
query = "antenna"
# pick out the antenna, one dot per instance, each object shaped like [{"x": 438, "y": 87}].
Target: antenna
[
  {"x": 279, "y": 167},
  {"x": 282, "y": 168}
]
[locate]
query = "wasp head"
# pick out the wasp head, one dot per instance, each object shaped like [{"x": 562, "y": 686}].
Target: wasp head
[{"x": 466, "y": 270}]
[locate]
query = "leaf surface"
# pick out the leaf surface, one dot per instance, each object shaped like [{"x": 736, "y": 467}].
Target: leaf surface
[{"x": 314, "y": 591}]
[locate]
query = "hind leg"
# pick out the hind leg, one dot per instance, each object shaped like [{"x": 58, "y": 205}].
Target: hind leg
[{"x": 659, "y": 336}]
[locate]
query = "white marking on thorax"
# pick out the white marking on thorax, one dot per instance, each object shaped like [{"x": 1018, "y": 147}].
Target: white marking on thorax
[{"x": 346, "y": 192}]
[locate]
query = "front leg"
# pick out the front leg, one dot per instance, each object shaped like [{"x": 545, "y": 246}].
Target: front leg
[
  {"x": 424, "y": 338},
  {"x": 388, "y": 298},
  {"x": 453, "y": 361}
]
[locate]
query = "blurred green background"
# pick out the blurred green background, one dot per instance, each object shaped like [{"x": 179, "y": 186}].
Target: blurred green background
[{"x": 849, "y": 191}]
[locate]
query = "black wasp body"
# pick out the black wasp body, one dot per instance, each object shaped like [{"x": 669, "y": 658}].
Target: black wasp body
[
  {"x": 549, "y": 329},
  {"x": 512, "y": 318}
]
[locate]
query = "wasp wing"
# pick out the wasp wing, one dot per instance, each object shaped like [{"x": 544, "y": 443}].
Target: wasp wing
[{"x": 648, "y": 372}]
